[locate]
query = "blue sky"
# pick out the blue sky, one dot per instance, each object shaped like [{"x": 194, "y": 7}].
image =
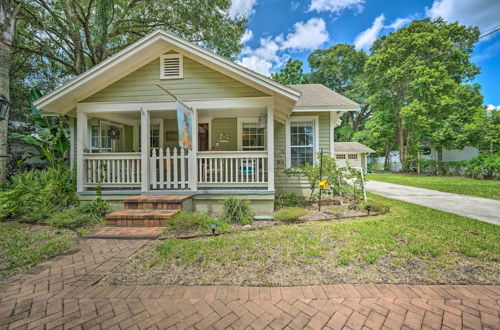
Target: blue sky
[{"x": 280, "y": 29}]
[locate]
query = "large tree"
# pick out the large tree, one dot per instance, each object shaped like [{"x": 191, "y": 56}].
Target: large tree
[
  {"x": 422, "y": 75},
  {"x": 340, "y": 68},
  {"x": 291, "y": 73},
  {"x": 8, "y": 18},
  {"x": 75, "y": 35}
]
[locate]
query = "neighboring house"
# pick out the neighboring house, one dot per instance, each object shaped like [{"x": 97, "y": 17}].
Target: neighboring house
[
  {"x": 353, "y": 153},
  {"x": 445, "y": 155},
  {"x": 248, "y": 127}
]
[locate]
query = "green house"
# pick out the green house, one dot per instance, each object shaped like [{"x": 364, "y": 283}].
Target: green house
[{"x": 245, "y": 128}]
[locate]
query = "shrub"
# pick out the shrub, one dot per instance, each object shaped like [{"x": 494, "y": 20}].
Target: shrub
[
  {"x": 290, "y": 214},
  {"x": 484, "y": 165},
  {"x": 288, "y": 199},
  {"x": 193, "y": 221},
  {"x": 38, "y": 194},
  {"x": 376, "y": 206},
  {"x": 237, "y": 210},
  {"x": 85, "y": 215}
]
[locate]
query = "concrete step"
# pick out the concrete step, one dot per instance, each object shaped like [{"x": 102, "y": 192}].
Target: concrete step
[
  {"x": 152, "y": 202},
  {"x": 139, "y": 218}
]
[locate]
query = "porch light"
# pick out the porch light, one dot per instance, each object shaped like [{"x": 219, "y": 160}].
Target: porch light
[
  {"x": 4, "y": 106},
  {"x": 214, "y": 227},
  {"x": 262, "y": 121}
]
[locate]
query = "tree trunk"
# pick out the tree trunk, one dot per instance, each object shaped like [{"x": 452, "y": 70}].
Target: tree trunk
[{"x": 7, "y": 25}]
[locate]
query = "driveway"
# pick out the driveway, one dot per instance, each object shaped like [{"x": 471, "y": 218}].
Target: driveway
[
  {"x": 483, "y": 209},
  {"x": 64, "y": 293}
]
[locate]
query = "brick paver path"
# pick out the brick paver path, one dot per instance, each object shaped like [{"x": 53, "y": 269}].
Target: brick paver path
[{"x": 61, "y": 294}]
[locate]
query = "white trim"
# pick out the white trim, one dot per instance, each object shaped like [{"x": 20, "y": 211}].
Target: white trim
[
  {"x": 315, "y": 119},
  {"x": 270, "y": 148},
  {"x": 333, "y": 118},
  {"x": 208, "y": 121},
  {"x": 192, "y": 159},
  {"x": 162, "y": 66},
  {"x": 137, "y": 54},
  {"x": 81, "y": 139},
  {"x": 324, "y": 109},
  {"x": 239, "y": 129},
  {"x": 145, "y": 124}
]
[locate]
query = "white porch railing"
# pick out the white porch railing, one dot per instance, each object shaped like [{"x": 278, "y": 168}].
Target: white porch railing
[
  {"x": 112, "y": 169},
  {"x": 168, "y": 169},
  {"x": 228, "y": 168}
]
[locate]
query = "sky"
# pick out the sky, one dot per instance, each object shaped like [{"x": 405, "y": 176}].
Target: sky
[{"x": 281, "y": 29}]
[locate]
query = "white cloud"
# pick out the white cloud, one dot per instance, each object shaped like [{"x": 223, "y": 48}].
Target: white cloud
[
  {"x": 270, "y": 54},
  {"x": 247, "y": 36},
  {"x": 241, "y": 8},
  {"x": 399, "y": 22},
  {"x": 482, "y": 13},
  {"x": 308, "y": 35},
  {"x": 336, "y": 6},
  {"x": 366, "y": 38},
  {"x": 491, "y": 107}
]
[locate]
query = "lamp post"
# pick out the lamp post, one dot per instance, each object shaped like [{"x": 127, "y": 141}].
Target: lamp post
[{"x": 4, "y": 106}]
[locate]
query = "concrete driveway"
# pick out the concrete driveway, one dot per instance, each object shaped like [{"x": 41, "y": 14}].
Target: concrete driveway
[{"x": 483, "y": 209}]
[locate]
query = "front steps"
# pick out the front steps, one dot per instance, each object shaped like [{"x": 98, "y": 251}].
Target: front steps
[{"x": 147, "y": 211}]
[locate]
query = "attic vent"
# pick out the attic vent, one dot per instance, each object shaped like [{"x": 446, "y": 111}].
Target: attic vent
[{"x": 171, "y": 66}]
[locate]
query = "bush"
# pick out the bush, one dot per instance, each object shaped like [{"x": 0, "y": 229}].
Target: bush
[
  {"x": 237, "y": 210},
  {"x": 191, "y": 221},
  {"x": 36, "y": 195},
  {"x": 85, "y": 215},
  {"x": 484, "y": 166},
  {"x": 288, "y": 199},
  {"x": 376, "y": 206},
  {"x": 290, "y": 214}
]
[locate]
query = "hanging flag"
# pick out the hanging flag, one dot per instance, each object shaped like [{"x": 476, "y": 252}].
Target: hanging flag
[{"x": 185, "y": 125}]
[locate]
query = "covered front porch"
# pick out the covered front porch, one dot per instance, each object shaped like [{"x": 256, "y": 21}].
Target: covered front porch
[{"x": 134, "y": 147}]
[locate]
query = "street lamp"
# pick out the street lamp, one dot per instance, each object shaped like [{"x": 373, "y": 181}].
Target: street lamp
[{"x": 4, "y": 106}]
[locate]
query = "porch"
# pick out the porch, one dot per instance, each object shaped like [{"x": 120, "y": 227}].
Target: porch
[{"x": 135, "y": 148}]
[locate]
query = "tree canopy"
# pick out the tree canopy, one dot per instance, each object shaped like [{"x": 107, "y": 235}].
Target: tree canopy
[{"x": 291, "y": 74}]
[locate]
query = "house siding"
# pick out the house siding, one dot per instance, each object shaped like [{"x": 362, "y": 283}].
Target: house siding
[
  {"x": 226, "y": 126},
  {"x": 199, "y": 82},
  {"x": 294, "y": 184}
]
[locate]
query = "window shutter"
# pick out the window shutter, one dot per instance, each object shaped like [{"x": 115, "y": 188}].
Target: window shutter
[{"x": 171, "y": 66}]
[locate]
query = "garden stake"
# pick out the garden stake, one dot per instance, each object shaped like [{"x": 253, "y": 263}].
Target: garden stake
[
  {"x": 363, "y": 187},
  {"x": 340, "y": 188},
  {"x": 320, "y": 176}
]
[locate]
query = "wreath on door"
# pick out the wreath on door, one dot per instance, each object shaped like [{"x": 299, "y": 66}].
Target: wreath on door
[{"x": 114, "y": 133}]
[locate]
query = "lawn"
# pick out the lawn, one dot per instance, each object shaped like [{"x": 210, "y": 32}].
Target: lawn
[
  {"x": 458, "y": 185},
  {"x": 411, "y": 244},
  {"x": 24, "y": 245}
]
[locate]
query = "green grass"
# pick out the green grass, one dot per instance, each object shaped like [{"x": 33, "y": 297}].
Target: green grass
[
  {"x": 195, "y": 223},
  {"x": 458, "y": 185},
  {"x": 24, "y": 245},
  {"x": 290, "y": 214},
  {"x": 438, "y": 242}
]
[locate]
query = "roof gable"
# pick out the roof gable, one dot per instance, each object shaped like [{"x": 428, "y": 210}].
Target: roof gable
[{"x": 145, "y": 50}]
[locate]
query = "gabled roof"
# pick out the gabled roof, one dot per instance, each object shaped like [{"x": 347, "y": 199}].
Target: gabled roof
[
  {"x": 351, "y": 147},
  {"x": 64, "y": 98},
  {"x": 317, "y": 96}
]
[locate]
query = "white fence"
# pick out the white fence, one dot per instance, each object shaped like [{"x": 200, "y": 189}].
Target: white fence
[
  {"x": 112, "y": 169},
  {"x": 168, "y": 169},
  {"x": 232, "y": 168}
]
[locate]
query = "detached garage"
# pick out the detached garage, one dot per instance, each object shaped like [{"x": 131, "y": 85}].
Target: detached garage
[{"x": 353, "y": 152}]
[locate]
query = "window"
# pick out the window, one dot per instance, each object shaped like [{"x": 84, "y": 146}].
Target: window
[
  {"x": 302, "y": 142},
  {"x": 352, "y": 156},
  {"x": 171, "y": 66},
  {"x": 252, "y": 137},
  {"x": 100, "y": 141},
  {"x": 154, "y": 136},
  {"x": 340, "y": 156}
]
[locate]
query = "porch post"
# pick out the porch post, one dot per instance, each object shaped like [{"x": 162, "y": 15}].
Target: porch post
[
  {"x": 192, "y": 161},
  {"x": 270, "y": 147},
  {"x": 81, "y": 144},
  {"x": 145, "y": 119}
]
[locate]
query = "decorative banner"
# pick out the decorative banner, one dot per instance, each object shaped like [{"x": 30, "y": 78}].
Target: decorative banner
[{"x": 185, "y": 125}]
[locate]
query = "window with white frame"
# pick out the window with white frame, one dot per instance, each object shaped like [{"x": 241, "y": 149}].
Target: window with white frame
[
  {"x": 352, "y": 156},
  {"x": 252, "y": 137},
  {"x": 101, "y": 141},
  {"x": 154, "y": 136},
  {"x": 340, "y": 156},
  {"x": 302, "y": 142}
]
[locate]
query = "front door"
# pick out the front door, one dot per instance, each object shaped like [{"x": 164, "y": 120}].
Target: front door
[{"x": 202, "y": 137}]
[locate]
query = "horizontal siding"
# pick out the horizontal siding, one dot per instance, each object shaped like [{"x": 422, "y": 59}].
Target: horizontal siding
[
  {"x": 199, "y": 82},
  {"x": 226, "y": 126},
  {"x": 294, "y": 184}
]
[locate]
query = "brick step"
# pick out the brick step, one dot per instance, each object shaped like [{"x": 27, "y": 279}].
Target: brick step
[
  {"x": 151, "y": 202},
  {"x": 139, "y": 218}
]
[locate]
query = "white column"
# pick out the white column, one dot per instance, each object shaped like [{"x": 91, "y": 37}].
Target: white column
[
  {"x": 192, "y": 160},
  {"x": 270, "y": 147},
  {"x": 81, "y": 145},
  {"x": 333, "y": 122},
  {"x": 145, "y": 121}
]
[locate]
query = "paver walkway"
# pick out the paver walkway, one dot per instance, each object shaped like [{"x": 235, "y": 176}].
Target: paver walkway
[
  {"x": 483, "y": 209},
  {"x": 62, "y": 294}
]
